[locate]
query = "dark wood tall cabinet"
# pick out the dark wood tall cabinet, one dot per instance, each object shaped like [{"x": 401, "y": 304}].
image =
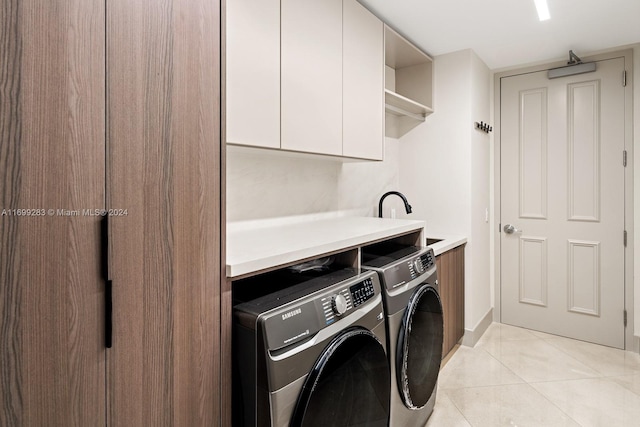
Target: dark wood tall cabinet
[{"x": 110, "y": 104}]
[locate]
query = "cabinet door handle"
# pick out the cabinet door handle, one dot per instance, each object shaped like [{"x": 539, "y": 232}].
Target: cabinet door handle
[
  {"x": 108, "y": 285},
  {"x": 108, "y": 314}
]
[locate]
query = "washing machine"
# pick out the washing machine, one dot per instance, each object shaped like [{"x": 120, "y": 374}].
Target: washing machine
[
  {"x": 311, "y": 352},
  {"x": 414, "y": 319}
]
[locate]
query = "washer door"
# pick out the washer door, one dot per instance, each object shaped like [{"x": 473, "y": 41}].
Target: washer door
[
  {"x": 349, "y": 385},
  {"x": 419, "y": 350}
]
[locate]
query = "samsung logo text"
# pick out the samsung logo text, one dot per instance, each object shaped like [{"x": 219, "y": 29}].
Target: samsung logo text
[{"x": 291, "y": 313}]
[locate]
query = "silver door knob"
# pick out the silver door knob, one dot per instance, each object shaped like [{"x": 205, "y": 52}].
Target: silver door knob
[{"x": 510, "y": 229}]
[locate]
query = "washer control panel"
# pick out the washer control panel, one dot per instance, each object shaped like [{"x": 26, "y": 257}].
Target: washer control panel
[
  {"x": 335, "y": 305},
  {"x": 362, "y": 292},
  {"x": 339, "y": 303},
  {"x": 303, "y": 317}
]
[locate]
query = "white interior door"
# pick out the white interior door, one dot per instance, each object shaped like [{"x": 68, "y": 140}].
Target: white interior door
[{"x": 562, "y": 189}]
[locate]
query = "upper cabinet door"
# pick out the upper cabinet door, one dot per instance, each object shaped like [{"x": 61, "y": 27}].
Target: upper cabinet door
[
  {"x": 253, "y": 72},
  {"x": 312, "y": 76},
  {"x": 363, "y": 97}
]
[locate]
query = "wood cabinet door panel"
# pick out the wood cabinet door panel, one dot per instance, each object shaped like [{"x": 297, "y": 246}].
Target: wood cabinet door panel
[
  {"x": 442, "y": 264},
  {"x": 52, "y": 122},
  {"x": 459, "y": 294},
  {"x": 164, "y": 163},
  {"x": 450, "y": 267}
]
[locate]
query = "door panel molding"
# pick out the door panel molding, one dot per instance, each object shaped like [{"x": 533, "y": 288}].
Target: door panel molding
[
  {"x": 584, "y": 284},
  {"x": 533, "y": 291},
  {"x": 583, "y": 100},
  {"x": 533, "y": 153}
]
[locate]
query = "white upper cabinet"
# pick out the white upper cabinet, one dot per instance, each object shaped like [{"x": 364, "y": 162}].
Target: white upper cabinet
[
  {"x": 363, "y": 80},
  {"x": 305, "y": 75},
  {"x": 253, "y": 72},
  {"x": 312, "y": 76}
]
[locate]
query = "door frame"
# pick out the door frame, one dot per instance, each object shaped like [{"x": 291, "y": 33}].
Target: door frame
[{"x": 631, "y": 343}]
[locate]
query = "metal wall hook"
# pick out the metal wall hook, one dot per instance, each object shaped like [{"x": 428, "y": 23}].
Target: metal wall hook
[{"x": 484, "y": 127}]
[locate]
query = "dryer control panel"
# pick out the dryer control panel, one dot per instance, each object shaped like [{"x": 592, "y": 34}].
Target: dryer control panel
[
  {"x": 402, "y": 269},
  {"x": 420, "y": 264}
]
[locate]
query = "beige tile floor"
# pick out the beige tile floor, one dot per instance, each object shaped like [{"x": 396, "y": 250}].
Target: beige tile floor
[{"x": 519, "y": 377}]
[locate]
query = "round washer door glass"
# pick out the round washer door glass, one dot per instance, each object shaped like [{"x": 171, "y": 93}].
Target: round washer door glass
[
  {"x": 349, "y": 384},
  {"x": 419, "y": 350}
]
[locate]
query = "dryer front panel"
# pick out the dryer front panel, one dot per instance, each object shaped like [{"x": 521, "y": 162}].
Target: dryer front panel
[{"x": 419, "y": 348}]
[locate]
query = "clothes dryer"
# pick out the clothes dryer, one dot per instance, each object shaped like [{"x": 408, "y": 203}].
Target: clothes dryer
[{"x": 414, "y": 319}]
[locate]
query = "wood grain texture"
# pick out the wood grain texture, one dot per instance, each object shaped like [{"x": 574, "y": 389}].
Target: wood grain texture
[
  {"x": 450, "y": 267},
  {"x": 52, "y": 119},
  {"x": 11, "y": 295},
  {"x": 459, "y": 294},
  {"x": 226, "y": 309},
  {"x": 442, "y": 265},
  {"x": 164, "y": 166}
]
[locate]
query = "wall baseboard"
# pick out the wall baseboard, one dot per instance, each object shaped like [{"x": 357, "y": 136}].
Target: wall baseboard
[{"x": 471, "y": 336}]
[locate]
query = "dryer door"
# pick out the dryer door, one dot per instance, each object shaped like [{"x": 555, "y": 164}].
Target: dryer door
[
  {"x": 419, "y": 350},
  {"x": 348, "y": 386}
]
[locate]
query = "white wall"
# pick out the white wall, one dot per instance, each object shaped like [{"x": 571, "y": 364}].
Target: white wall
[
  {"x": 480, "y": 181},
  {"x": 362, "y": 183},
  {"x": 268, "y": 183},
  {"x": 445, "y": 169},
  {"x": 435, "y": 155}
]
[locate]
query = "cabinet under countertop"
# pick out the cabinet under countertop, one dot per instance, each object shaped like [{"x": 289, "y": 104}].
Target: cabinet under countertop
[{"x": 450, "y": 264}]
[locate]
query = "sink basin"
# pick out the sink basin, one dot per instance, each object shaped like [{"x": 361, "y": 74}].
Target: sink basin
[{"x": 432, "y": 241}]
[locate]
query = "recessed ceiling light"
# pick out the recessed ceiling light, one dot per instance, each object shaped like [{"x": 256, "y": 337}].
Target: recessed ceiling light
[{"x": 543, "y": 9}]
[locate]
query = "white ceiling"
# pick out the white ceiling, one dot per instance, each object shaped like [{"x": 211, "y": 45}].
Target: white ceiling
[{"x": 505, "y": 33}]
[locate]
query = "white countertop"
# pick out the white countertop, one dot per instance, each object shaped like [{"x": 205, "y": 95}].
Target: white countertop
[
  {"x": 255, "y": 246},
  {"x": 447, "y": 242}
]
